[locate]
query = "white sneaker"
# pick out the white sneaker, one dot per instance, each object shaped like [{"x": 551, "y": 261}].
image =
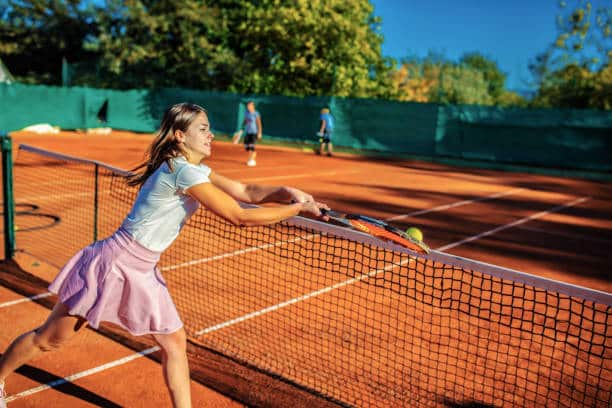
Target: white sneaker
[
  {"x": 2, "y": 396},
  {"x": 250, "y": 163}
]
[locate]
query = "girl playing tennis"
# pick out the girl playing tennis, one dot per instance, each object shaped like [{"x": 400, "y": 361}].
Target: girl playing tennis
[{"x": 116, "y": 279}]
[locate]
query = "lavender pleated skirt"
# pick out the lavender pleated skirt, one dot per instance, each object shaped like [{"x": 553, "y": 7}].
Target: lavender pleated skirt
[{"x": 117, "y": 280}]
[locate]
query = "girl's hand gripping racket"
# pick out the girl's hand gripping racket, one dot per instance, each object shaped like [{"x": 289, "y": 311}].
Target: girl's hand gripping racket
[{"x": 377, "y": 228}]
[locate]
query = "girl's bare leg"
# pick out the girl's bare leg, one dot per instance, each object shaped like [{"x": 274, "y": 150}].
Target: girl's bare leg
[
  {"x": 54, "y": 333},
  {"x": 176, "y": 367}
]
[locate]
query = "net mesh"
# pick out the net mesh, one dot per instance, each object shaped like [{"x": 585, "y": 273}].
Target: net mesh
[{"x": 338, "y": 313}]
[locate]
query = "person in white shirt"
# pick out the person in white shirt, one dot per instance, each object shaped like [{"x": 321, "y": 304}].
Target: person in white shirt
[{"x": 116, "y": 279}]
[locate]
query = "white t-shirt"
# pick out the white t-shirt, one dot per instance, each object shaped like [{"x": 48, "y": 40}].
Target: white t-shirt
[{"x": 162, "y": 206}]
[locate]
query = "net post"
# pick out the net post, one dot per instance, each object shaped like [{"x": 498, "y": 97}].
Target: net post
[
  {"x": 95, "y": 217},
  {"x": 8, "y": 198}
]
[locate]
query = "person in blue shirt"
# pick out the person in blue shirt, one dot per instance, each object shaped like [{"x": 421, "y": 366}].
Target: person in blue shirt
[
  {"x": 253, "y": 131},
  {"x": 325, "y": 132}
]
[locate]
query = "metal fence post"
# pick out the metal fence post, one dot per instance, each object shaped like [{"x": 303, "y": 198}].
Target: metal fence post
[{"x": 8, "y": 198}]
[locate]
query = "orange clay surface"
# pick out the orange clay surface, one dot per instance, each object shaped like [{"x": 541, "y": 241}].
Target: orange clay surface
[{"x": 569, "y": 244}]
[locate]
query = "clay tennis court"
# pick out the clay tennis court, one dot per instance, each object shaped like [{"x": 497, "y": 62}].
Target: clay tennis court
[{"x": 552, "y": 227}]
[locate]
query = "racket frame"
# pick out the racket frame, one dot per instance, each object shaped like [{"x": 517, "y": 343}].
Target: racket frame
[{"x": 345, "y": 220}]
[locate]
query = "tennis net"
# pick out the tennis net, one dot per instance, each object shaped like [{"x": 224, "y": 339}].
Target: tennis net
[{"x": 350, "y": 318}]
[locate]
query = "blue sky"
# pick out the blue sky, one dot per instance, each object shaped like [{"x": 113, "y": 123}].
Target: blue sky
[{"x": 511, "y": 32}]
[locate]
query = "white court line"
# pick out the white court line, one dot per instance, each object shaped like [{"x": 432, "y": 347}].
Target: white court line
[
  {"x": 456, "y": 204},
  {"x": 73, "y": 377},
  {"x": 204, "y": 260},
  {"x": 208, "y": 330},
  {"x": 299, "y": 298},
  {"x": 513, "y": 224},
  {"x": 286, "y": 177},
  {"x": 182, "y": 265},
  {"x": 286, "y": 303},
  {"x": 235, "y": 253},
  {"x": 375, "y": 272},
  {"x": 26, "y": 299}
]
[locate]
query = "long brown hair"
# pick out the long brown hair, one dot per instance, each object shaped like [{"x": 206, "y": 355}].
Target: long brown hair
[{"x": 165, "y": 146}]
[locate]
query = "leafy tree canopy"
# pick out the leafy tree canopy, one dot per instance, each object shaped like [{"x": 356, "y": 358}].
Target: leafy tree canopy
[
  {"x": 179, "y": 43},
  {"x": 307, "y": 47},
  {"x": 575, "y": 86},
  {"x": 298, "y": 47},
  {"x": 36, "y": 34},
  {"x": 574, "y": 72},
  {"x": 288, "y": 47},
  {"x": 474, "y": 79},
  {"x": 494, "y": 77}
]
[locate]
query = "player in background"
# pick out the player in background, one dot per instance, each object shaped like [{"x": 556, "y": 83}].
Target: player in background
[
  {"x": 325, "y": 132},
  {"x": 253, "y": 131}
]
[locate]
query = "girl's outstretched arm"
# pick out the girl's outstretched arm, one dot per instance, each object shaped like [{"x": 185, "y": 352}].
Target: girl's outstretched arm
[
  {"x": 225, "y": 206},
  {"x": 255, "y": 193}
]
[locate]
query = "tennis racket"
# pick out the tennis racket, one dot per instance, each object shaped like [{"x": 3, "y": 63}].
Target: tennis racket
[
  {"x": 236, "y": 137},
  {"x": 377, "y": 228}
]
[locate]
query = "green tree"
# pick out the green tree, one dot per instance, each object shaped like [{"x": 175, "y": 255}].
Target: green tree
[
  {"x": 495, "y": 78},
  {"x": 574, "y": 86},
  {"x": 307, "y": 47},
  {"x": 585, "y": 34},
  {"x": 511, "y": 99},
  {"x": 35, "y": 36},
  {"x": 292, "y": 47},
  {"x": 473, "y": 80},
  {"x": 460, "y": 84},
  {"x": 573, "y": 71},
  {"x": 411, "y": 84},
  {"x": 179, "y": 43}
]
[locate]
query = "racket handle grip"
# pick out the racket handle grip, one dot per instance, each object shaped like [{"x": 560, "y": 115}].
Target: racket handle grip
[{"x": 331, "y": 213}]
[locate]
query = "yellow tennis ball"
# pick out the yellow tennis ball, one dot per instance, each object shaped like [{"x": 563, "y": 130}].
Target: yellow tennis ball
[{"x": 415, "y": 233}]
